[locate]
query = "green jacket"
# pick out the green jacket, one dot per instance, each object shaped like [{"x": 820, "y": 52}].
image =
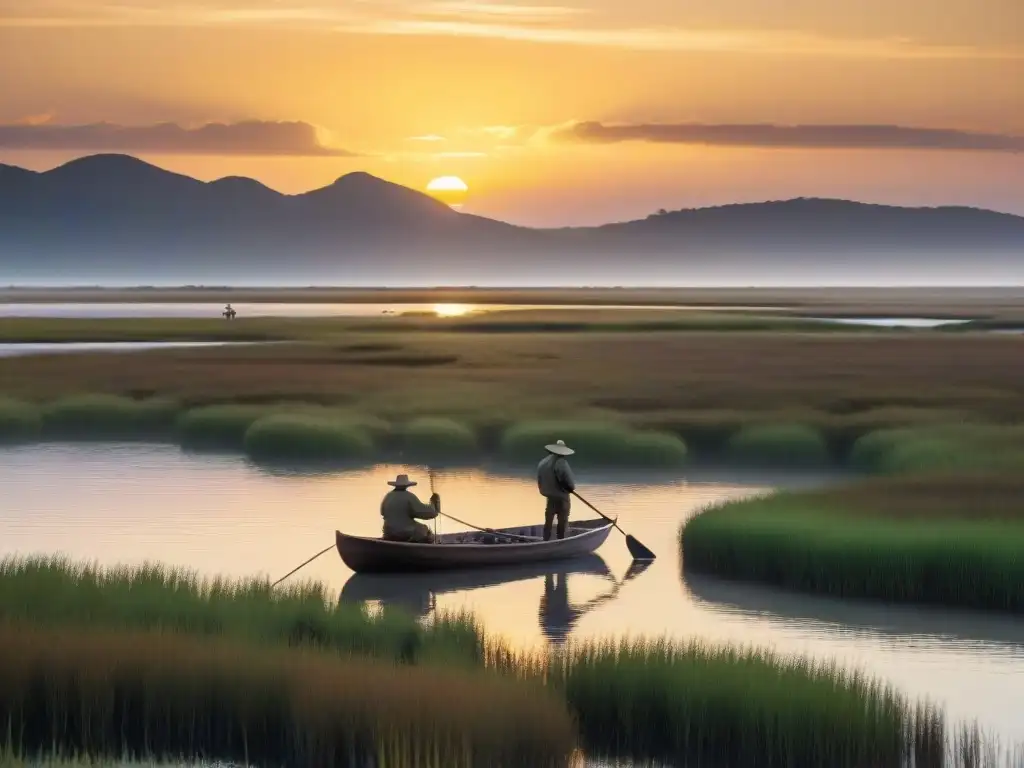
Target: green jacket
[
  {"x": 554, "y": 477},
  {"x": 400, "y": 510}
]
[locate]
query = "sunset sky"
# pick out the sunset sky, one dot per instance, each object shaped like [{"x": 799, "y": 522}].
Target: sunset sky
[{"x": 575, "y": 112}]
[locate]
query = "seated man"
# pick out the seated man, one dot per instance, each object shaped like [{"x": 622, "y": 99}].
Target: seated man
[{"x": 400, "y": 510}]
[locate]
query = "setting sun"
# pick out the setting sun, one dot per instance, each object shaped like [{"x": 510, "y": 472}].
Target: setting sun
[
  {"x": 447, "y": 184},
  {"x": 449, "y": 189},
  {"x": 451, "y": 310}
]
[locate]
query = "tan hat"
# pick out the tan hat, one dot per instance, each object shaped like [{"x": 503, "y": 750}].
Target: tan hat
[
  {"x": 559, "y": 448},
  {"x": 402, "y": 481}
]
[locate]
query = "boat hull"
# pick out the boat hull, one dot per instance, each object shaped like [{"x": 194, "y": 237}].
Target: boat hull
[{"x": 456, "y": 551}]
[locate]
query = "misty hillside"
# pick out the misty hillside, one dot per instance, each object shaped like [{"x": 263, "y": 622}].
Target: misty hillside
[{"x": 113, "y": 216}]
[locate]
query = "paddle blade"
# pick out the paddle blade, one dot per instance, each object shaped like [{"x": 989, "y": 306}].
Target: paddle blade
[{"x": 638, "y": 550}]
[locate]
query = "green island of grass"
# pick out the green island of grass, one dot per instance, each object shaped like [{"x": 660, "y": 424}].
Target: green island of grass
[
  {"x": 779, "y": 398},
  {"x": 157, "y": 663},
  {"x": 951, "y": 540}
]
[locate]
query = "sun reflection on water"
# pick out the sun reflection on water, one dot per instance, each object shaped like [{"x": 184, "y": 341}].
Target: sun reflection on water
[{"x": 452, "y": 310}]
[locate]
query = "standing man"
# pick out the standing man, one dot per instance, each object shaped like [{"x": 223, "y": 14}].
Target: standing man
[{"x": 555, "y": 482}]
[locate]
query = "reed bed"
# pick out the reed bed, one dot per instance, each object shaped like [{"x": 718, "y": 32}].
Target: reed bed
[
  {"x": 596, "y": 443},
  {"x": 19, "y": 421},
  {"x": 54, "y": 591},
  {"x": 146, "y": 694},
  {"x": 672, "y": 703},
  {"x": 643, "y": 700},
  {"x": 946, "y": 540},
  {"x": 788, "y": 445},
  {"x": 106, "y": 417}
]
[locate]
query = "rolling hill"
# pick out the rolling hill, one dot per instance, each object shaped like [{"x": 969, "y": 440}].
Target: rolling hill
[{"x": 114, "y": 217}]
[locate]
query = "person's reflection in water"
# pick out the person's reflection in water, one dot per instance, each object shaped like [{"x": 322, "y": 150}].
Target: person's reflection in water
[{"x": 558, "y": 616}]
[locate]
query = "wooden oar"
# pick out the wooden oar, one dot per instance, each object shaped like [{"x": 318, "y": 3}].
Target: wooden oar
[
  {"x": 636, "y": 549},
  {"x": 489, "y": 530}
]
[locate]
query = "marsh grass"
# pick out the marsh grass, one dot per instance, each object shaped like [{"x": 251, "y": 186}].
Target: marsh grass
[
  {"x": 224, "y": 427},
  {"x": 595, "y": 443},
  {"x": 103, "y": 692},
  {"x": 675, "y": 702},
  {"x": 679, "y": 703},
  {"x": 946, "y": 540},
  {"x": 306, "y": 439},
  {"x": 941, "y": 448},
  {"x": 439, "y": 439},
  {"x": 787, "y": 445},
  {"x": 108, "y": 417},
  {"x": 217, "y": 427},
  {"x": 20, "y": 422},
  {"x": 701, "y": 386},
  {"x": 57, "y": 592}
]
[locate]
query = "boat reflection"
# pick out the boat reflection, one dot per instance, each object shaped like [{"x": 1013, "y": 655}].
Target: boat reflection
[
  {"x": 859, "y": 618},
  {"x": 417, "y": 593}
]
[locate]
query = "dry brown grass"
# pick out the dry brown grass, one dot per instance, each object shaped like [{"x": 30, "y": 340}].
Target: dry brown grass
[
  {"x": 98, "y": 692},
  {"x": 648, "y": 377}
]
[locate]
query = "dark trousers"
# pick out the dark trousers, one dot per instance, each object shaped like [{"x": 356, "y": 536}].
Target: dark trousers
[{"x": 559, "y": 508}]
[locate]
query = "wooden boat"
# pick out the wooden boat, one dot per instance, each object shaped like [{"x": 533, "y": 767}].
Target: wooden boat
[{"x": 472, "y": 549}]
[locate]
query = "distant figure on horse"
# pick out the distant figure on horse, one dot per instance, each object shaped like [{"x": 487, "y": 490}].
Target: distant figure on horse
[{"x": 229, "y": 313}]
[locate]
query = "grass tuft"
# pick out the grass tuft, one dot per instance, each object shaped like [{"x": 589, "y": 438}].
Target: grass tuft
[
  {"x": 789, "y": 445},
  {"x": 20, "y": 422},
  {"x": 940, "y": 448},
  {"x": 55, "y": 591},
  {"x": 306, "y": 438},
  {"x": 108, "y": 417},
  {"x": 683, "y": 703},
  {"x": 215, "y": 427}
]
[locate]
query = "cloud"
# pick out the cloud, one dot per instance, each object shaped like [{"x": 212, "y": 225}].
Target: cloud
[
  {"x": 802, "y": 136},
  {"x": 533, "y": 23},
  {"x": 465, "y": 9},
  {"x": 253, "y": 137},
  {"x": 676, "y": 39}
]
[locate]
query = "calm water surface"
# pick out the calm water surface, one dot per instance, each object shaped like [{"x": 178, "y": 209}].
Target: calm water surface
[
  {"x": 220, "y": 515},
  {"x": 298, "y": 309},
  {"x": 22, "y": 349},
  {"x": 214, "y": 309}
]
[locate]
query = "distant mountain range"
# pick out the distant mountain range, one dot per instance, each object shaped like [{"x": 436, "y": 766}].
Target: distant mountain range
[{"x": 116, "y": 218}]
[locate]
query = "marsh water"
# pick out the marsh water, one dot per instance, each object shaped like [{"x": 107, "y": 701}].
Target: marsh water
[
  {"x": 131, "y": 503},
  {"x": 297, "y": 309},
  {"x": 22, "y": 349},
  {"x": 293, "y": 309}
]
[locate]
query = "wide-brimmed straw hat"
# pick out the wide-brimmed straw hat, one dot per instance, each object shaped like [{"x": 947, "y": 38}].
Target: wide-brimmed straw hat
[
  {"x": 559, "y": 448},
  {"x": 402, "y": 481}
]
